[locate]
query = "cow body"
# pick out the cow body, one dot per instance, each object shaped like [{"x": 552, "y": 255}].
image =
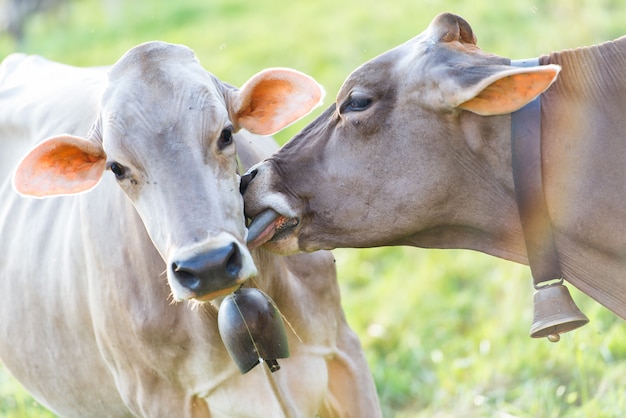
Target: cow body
[
  {"x": 88, "y": 324},
  {"x": 417, "y": 151}
]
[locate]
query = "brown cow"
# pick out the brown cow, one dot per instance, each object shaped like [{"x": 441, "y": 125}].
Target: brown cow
[
  {"x": 87, "y": 323},
  {"x": 417, "y": 151}
]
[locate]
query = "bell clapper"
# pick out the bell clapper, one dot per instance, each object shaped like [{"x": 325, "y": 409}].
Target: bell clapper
[
  {"x": 272, "y": 364},
  {"x": 555, "y": 312}
]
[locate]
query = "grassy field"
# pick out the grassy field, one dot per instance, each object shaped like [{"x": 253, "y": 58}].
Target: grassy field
[{"x": 446, "y": 332}]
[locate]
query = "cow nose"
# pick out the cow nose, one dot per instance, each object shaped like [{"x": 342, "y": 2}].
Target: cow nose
[
  {"x": 246, "y": 179},
  {"x": 210, "y": 271}
]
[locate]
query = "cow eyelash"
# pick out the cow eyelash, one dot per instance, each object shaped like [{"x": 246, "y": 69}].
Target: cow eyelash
[
  {"x": 226, "y": 138},
  {"x": 117, "y": 169},
  {"x": 356, "y": 103}
]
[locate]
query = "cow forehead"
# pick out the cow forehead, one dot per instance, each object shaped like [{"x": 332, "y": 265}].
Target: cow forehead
[
  {"x": 158, "y": 90},
  {"x": 139, "y": 110},
  {"x": 149, "y": 57},
  {"x": 423, "y": 69},
  {"x": 393, "y": 67},
  {"x": 164, "y": 74}
]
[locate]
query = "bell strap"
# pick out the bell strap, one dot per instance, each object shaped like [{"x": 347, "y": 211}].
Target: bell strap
[{"x": 543, "y": 257}]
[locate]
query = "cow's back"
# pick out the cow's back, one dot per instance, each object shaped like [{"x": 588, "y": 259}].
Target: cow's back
[
  {"x": 30, "y": 87},
  {"x": 46, "y": 303}
]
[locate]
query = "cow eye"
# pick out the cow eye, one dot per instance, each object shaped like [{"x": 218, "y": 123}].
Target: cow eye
[
  {"x": 226, "y": 138},
  {"x": 117, "y": 169},
  {"x": 357, "y": 103}
]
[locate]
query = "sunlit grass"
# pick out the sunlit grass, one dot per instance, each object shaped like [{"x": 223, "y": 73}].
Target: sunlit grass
[
  {"x": 15, "y": 402},
  {"x": 445, "y": 332}
]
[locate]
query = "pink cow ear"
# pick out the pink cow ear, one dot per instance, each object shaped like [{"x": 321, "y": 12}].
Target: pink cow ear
[
  {"x": 275, "y": 98},
  {"x": 508, "y": 90},
  {"x": 60, "y": 165}
]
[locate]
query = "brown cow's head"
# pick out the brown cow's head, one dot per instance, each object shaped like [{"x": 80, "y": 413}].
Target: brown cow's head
[{"x": 414, "y": 151}]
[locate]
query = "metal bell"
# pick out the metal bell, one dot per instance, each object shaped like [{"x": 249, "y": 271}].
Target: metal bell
[
  {"x": 252, "y": 329},
  {"x": 555, "y": 312}
]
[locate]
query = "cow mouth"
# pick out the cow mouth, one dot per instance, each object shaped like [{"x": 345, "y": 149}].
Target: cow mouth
[
  {"x": 214, "y": 295},
  {"x": 267, "y": 226}
]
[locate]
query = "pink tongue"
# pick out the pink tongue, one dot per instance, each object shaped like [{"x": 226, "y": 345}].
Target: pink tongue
[{"x": 262, "y": 228}]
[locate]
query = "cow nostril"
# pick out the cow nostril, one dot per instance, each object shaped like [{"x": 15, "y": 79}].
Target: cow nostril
[
  {"x": 233, "y": 263},
  {"x": 186, "y": 278},
  {"x": 246, "y": 179},
  {"x": 211, "y": 271}
]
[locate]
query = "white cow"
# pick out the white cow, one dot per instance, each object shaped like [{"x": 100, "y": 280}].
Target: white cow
[{"x": 88, "y": 322}]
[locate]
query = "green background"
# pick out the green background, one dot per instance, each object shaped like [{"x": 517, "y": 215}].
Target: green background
[{"x": 445, "y": 331}]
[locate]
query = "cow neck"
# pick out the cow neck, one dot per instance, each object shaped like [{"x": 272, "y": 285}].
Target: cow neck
[{"x": 543, "y": 257}]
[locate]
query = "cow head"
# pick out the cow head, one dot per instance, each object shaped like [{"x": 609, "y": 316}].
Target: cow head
[
  {"x": 165, "y": 133},
  {"x": 414, "y": 151}
]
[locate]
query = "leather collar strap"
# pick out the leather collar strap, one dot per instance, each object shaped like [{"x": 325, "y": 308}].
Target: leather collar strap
[{"x": 527, "y": 177}]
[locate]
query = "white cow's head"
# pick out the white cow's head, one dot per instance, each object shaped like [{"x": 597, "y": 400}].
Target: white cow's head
[{"x": 165, "y": 132}]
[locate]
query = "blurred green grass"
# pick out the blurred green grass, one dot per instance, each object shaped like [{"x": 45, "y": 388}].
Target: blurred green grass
[{"x": 445, "y": 332}]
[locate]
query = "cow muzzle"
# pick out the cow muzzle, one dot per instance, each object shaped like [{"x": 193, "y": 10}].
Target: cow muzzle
[
  {"x": 208, "y": 271},
  {"x": 273, "y": 217}
]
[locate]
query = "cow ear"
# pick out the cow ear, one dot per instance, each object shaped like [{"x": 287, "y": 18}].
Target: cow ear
[
  {"x": 275, "y": 98},
  {"x": 507, "y": 90},
  {"x": 60, "y": 165}
]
